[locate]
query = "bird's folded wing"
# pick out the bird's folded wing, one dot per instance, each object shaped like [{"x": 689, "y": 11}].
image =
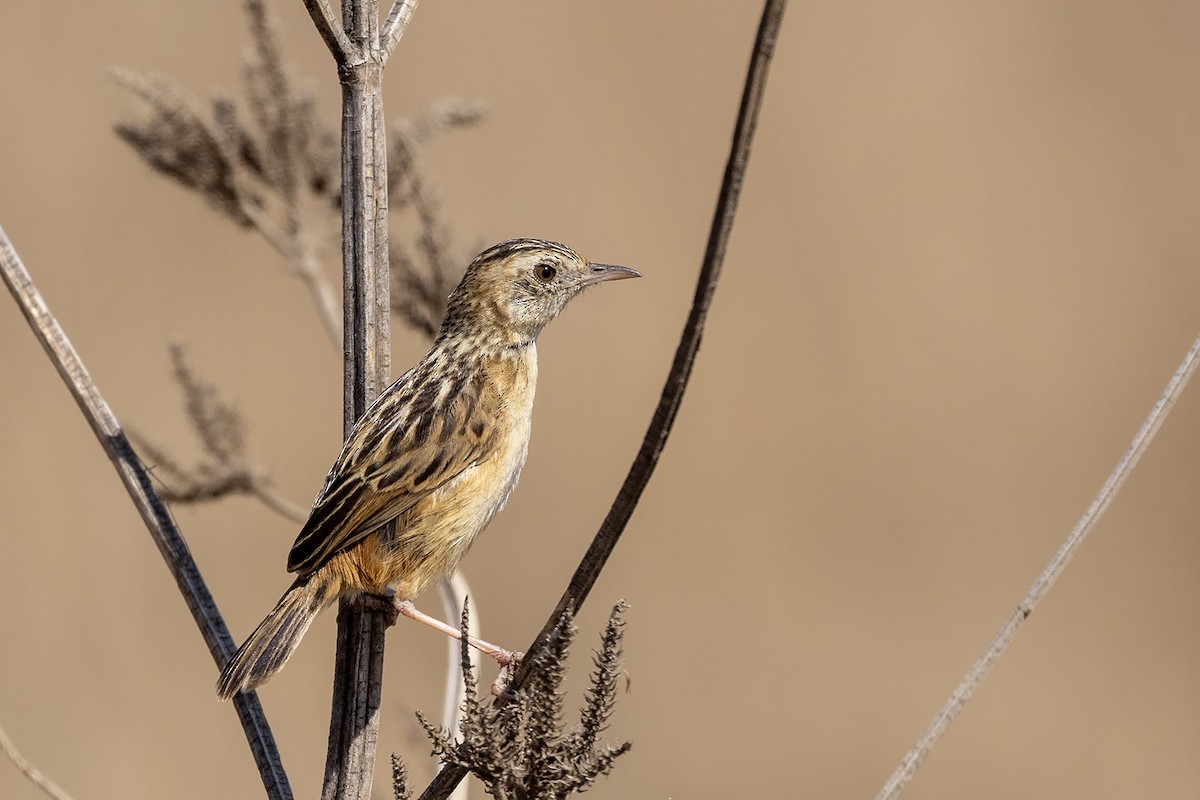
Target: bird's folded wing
[{"x": 385, "y": 469}]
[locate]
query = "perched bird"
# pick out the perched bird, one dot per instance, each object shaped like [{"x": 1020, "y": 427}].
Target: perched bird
[{"x": 437, "y": 453}]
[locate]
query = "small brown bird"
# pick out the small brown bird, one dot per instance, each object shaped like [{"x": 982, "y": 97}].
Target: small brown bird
[{"x": 438, "y": 452}]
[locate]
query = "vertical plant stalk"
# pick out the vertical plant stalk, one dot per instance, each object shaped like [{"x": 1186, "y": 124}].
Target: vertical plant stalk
[
  {"x": 677, "y": 379},
  {"x": 455, "y": 593},
  {"x": 153, "y": 512},
  {"x": 358, "y": 670},
  {"x": 980, "y": 669},
  {"x": 360, "y": 55}
]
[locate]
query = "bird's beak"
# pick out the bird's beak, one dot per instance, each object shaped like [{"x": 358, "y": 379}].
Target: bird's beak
[{"x": 598, "y": 273}]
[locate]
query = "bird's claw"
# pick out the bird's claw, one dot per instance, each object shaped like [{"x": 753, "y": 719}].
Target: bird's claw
[{"x": 508, "y": 660}]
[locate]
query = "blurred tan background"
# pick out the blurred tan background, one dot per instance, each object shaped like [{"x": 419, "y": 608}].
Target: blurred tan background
[{"x": 966, "y": 262}]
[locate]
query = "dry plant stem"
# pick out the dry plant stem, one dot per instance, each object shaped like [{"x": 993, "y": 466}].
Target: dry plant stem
[
  {"x": 306, "y": 267},
  {"x": 980, "y": 669},
  {"x": 154, "y": 513},
  {"x": 35, "y": 775},
  {"x": 454, "y": 592},
  {"x": 358, "y": 670},
  {"x": 677, "y": 379},
  {"x": 298, "y": 254}
]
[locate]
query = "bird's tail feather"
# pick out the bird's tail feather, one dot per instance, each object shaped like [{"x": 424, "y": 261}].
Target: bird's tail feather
[{"x": 272, "y": 643}]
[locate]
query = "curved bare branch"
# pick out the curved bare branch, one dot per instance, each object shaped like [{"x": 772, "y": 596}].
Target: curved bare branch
[{"x": 677, "y": 379}]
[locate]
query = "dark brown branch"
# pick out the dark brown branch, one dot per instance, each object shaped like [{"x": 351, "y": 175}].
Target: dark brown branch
[
  {"x": 677, "y": 379},
  {"x": 154, "y": 513}
]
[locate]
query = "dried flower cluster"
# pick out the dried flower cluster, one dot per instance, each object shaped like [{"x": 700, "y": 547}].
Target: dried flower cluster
[
  {"x": 521, "y": 749},
  {"x": 240, "y": 165},
  {"x": 227, "y": 469},
  {"x": 276, "y": 169}
]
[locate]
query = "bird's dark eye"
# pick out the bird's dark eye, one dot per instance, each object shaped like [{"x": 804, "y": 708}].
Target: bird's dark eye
[{"x": 545, "y": 272}]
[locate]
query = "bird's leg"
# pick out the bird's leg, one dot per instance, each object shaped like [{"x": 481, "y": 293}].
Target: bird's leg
[
  {"x": 502, "y": 656},
  {"x": 507, "y": 659}
]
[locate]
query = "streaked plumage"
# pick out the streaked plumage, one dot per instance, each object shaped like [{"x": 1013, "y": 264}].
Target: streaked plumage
[{"x": 438, "y": 452}]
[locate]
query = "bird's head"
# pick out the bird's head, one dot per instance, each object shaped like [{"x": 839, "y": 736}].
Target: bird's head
[{"x": 513, "y": 289}]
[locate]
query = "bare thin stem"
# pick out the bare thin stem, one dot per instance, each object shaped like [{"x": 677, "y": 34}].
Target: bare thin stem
[
  {"x": 308, "y": 271},
  {"x": 455, "y": 591},
  {"x": 677, "y": 379},
  {"x": 35, "y": 775},
  {"x": 331, "y": 30},
  {"x": 154, "y": 513},
  {"x": 301, "y": 261},
  {"x": 395, "y": 24},
  {"x": 980, "y": 669}
]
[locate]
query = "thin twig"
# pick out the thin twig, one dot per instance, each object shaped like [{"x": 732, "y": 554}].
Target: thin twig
[
  {"x": 180, "y": 141},
  {"x": 35, "y": 775},
  {"x": 331, "y": 30},
  {"x": 455, "y": 593},
  {"x": 395, "y": 24},
  {"x": 154, "y": 513},
  {"x": 677, "y": 379},
  {"x": 309, "y": 271},
  {"x": 980, "y": 669},
  {"x": 297, "y": 251}
]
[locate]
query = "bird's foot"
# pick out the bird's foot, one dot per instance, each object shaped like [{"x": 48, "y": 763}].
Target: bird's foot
[
  {"x": 384, "y": 601},
  {"x": 508, "y": 660},
  {"x": 502, "y": 686}
]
